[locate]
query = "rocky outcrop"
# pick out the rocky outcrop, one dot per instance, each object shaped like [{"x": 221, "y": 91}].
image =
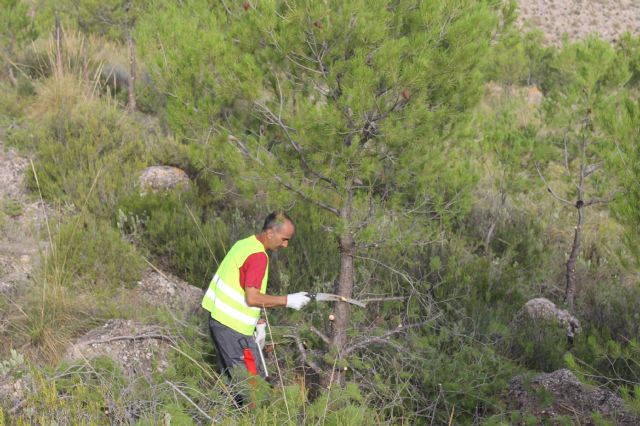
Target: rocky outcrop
[
  {"x": 551, "y": 395},
  {"x": 138, "y": 349},
  {"x": 541, "y": 309},
  {"x": 165, "y": 290},
  {"x": 158, "y": 178}
]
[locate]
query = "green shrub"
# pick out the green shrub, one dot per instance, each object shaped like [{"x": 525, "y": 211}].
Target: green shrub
[
  {"x": 11, "y": 207},
  {"x": 537, "y": 345},
  {"x": 612, "y": 306},
  {"x": 162, "y": 223},
  {"x": 71, "y": 291},
  {"x": 469, "y": 375},
  {"x": 91, "y": 255},
  {"x": 88, "y": 153}
]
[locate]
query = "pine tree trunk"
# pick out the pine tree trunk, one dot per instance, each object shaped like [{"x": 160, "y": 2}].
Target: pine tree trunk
[
  {"x": 345, "y": 287},
  {"x": 131, "y": 87},
  {"x": 570, "y": 290},
  {"x": 58, "y": 38}
]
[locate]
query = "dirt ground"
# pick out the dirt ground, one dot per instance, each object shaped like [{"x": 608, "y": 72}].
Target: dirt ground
[{"x": 579, "y": 18}]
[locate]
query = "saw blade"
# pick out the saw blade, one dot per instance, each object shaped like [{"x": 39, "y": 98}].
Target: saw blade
[{"x": 328, "y": 297}]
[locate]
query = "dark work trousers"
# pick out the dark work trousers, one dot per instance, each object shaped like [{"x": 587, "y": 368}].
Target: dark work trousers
[{"x": 231, "y": 346}]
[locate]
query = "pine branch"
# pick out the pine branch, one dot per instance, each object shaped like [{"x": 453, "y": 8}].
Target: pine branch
[
  {"x": 384, "y": 338},
  {"x": 204, "y": 413},
  {"x": 383, "y": 299},
  {"x": 320, "y": 334},
  {"x": 303, "y": 353},
  {"x": 243, "y": 148},
  {"x": 557, "y": 197},
  {"x": 276, "y": 119},
  {"x": 601, "y": 200},
  {"x": 306, "y": 197}
]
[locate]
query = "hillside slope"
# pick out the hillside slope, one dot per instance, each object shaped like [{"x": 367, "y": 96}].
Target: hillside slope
[{"x": 579, "y": 18}]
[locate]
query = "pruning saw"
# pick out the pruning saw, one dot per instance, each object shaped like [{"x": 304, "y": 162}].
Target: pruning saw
[{"x": 329, "y": 297}]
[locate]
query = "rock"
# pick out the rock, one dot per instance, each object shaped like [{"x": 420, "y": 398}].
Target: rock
[
  {"x": 560, "y": 393},
  {"x": 163, "y": 289},
  {"x": 156, "y": 178},
  {"x": 541, "y": 309},
  {"x": 116, "y": 76},
  {"x": 127, "y": 343}
]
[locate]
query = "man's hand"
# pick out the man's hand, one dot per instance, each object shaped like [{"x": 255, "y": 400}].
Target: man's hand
[{"x": 297, "y": 301}]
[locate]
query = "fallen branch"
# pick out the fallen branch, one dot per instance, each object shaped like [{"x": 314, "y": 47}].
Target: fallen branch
[
  {"x": 303, "y": 353},
  {"x": 132, "y": 337},
  {"x": 177, "y": 389},
  {"x": 320, "y": 334},
  {"x": 384, "y": 338}
]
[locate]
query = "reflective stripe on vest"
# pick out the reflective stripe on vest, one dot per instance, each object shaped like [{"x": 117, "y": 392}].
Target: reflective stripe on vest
[{"x": 225, "y": 299}]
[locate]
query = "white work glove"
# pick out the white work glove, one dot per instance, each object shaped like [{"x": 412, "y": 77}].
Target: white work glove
[
  {"x": 297, "y": 301},
  {"x": 261, "y": 334}
]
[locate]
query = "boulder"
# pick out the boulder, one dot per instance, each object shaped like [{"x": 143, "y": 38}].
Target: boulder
[
  {"x": 560, "y": 393},
  {"x": 116, "y": 76},
  {"x": 163, "y": 289},
  {"x": 157, "y": 178},
  {"x": 136, "y": 348},
  {"x": 541, "y": 309}
]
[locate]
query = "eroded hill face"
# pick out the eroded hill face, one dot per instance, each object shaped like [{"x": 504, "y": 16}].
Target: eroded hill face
[
  {"x": 579, "y": 18},
  {"x": 21, "y": 220}
]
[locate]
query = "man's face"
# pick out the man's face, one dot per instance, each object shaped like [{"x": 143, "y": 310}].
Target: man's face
[{"x": 279, "y": 237}]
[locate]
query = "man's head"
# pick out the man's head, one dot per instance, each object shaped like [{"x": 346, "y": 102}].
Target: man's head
[{"x": 278, "y": 229}]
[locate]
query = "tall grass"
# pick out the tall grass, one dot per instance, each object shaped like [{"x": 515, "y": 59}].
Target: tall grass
[{"x": 78, "y": 138}]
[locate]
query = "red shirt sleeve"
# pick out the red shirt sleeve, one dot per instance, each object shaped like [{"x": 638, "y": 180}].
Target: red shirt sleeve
[{"x": 252, "y": 270}]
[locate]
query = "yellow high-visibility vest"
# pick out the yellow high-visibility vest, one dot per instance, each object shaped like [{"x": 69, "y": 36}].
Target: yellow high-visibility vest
[{"x": 225, "y": 299}]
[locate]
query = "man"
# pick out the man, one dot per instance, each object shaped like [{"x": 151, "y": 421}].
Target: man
[{"x": 238, "y": 291}]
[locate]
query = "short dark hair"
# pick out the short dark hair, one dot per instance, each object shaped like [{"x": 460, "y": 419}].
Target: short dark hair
[{"x": 275, "y": 220}]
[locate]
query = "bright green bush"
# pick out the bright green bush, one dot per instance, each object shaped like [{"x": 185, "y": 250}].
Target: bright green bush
[
  {"x": 177, "y": 233},
  {"x": 16, "y": 27},
  {"x": 87, "y": 153},
  {"x": 537, "y": 345},
  {"x": 455, "y": 371}
]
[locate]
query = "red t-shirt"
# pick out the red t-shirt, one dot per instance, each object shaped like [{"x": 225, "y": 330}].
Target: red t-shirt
[{"x": 252, "y": 270}]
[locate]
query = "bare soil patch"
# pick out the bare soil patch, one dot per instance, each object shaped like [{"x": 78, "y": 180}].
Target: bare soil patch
[{"x": 578, "y": 18}]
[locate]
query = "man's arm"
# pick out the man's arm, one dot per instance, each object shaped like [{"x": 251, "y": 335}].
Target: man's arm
[
  {"x": 256, "y": 299},
  {"x": 251, "y": 275}
]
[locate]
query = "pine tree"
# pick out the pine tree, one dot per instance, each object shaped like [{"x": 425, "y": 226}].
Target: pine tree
[
  {"x": 587, "y": 79},
  {"x": 350, "y": 106}
]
